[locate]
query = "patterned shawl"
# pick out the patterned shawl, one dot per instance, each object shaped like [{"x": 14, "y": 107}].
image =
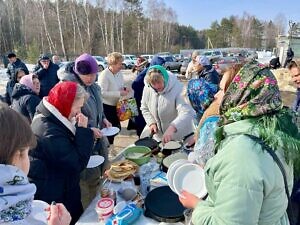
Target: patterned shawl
[
  {"x": 16, "y": 194},
  {"x": 253, "y": 92}
]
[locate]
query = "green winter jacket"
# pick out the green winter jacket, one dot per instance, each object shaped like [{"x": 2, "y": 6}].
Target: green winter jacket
[{"x": 244, "y": 184}]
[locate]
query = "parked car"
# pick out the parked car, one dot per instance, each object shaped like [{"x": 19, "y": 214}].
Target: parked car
[
  {"x": 164, "y": 54},
  {"x": 213, "y": 55},
  {"x": 178, "y": 57},
  {"x": 129, "y": 61},
  {"x": 148, "y": 57},
  {"x": 184, "y": 65},
  {"x": 102, "y": 63},
  {"x": 223, "y": 63},
  {"x": 171, "y": 63}
]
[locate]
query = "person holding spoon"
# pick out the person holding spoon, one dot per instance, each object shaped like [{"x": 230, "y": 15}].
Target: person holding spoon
[
  {"x": 17, "y": 206},
  {"x": 64, "y": 147}
]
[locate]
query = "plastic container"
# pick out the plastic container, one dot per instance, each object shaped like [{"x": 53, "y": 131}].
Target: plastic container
[{"x": 104, "y": 208}]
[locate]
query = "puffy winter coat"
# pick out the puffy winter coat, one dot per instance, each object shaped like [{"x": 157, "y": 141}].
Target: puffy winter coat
[
  {"x": 245, "y": 185},
  {"x": 48, "y": 77},
  {"x": 7, "y": 97},
  {"x": 61, "y": 154},
  {"x": 24, "y": 101}
]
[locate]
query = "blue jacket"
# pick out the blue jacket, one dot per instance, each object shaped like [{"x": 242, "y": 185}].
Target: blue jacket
[
  {"x": 138, "y": 87},
  {"x": 138, "y": 83}
]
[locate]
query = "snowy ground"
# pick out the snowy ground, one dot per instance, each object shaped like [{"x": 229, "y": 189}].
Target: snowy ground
[{"x": 4, "y": 78}]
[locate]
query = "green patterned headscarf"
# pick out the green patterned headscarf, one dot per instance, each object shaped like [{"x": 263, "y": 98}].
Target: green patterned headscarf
[
  {"x": 162, "y": 71},
  {"x": 253, "y": 92}
]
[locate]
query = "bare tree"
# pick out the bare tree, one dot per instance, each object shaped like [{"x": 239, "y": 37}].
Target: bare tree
[
  {"x": 77, "y": 24},
  {"x": 74, "y": 31},
  {"x": 86, "y": 8},
  {"x": 50, "y": 42},
  {"x": 122, "y": 31},
  {"x": 280, "y": 22},
  {"x": 60, "y": 29}
]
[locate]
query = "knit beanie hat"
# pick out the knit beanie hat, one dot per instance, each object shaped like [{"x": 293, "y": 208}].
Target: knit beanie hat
[
  {"x": 11, "y": 55},
  {"x": 44, "y": 57},
  {"x": 27, "y": 81},
  {"x": 203, "y": 60},
  {"x": 85, "y": 64},
  {"x": 62, "y": 96}
]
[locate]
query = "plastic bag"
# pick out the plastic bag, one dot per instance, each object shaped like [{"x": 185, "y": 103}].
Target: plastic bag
[{"x": 126, "y": 109}]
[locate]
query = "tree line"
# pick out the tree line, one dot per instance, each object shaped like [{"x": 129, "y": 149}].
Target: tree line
[{"x": 70, "y": 27}]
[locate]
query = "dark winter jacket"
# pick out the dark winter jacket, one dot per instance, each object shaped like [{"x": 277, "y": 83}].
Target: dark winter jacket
[
  {"x": 290, "y": 53},
  {"x": 11, "y": 68},
  {"x": 296, "y": 105},
  {"x": 7, "y": 97},
  {"x": 138, "y": 83},
  {"x": 24, "y": 101},
  {"x": 93, "y": 107},
  {"x": 8, "y": 92},
  {"x": 210, "y": 74},
  {"x": 48, "y": 77},
  {"x": 58, "y": 159}
]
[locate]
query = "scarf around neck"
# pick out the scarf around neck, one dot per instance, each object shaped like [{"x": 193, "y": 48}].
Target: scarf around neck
[{"x": 16, "y": 194}]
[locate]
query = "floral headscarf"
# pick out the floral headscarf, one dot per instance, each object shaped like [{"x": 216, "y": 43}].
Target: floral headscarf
[
  {"x": 253, "y": 92},
  {"x": 201, "y": 94}
]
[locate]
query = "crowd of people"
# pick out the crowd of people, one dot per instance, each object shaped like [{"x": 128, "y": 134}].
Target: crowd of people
[{"x": 56, "y": 115}]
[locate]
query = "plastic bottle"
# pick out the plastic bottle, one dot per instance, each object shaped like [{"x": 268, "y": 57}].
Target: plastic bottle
[{"x": 145, "y": 175}]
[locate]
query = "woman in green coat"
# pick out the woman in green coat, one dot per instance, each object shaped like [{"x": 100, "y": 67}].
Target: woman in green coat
[{"x": 244, "y": 183}]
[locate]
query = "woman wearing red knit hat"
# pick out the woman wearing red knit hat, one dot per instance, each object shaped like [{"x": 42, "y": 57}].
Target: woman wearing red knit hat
[{"x": 64, "y": 146}]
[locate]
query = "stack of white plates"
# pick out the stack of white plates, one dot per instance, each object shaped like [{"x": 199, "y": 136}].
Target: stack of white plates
[{"x": 183, "y": 175}]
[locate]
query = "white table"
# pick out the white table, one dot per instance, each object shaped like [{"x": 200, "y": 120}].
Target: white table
[{"x": 90, "y": 217}]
